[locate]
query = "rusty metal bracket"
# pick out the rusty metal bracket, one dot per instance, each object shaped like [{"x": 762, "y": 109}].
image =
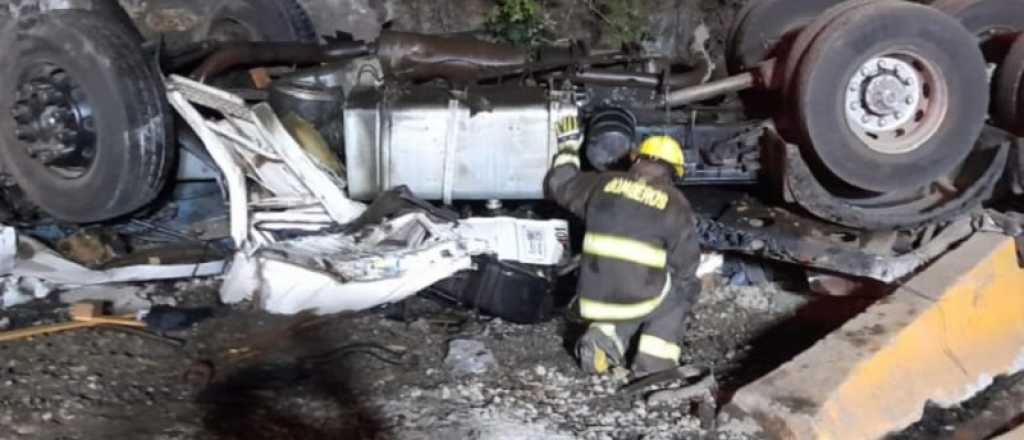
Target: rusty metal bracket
[{"x": 777, "y": 235}]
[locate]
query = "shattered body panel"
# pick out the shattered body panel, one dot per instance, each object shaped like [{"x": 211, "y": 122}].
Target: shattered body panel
[
  {"x": 269, "y": 174},
  {"x": 386, "y": 263}
]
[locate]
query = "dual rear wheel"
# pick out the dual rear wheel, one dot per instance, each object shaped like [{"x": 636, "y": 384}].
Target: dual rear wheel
[
  {"x": 887, "y": 99},
  {"x": 86, "y": 133}
]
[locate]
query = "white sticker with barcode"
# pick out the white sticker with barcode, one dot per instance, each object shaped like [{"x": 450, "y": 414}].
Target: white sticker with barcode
[{"x": 540, "y": 242}]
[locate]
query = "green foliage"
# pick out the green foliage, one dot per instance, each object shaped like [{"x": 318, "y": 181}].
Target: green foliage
[
  {"x": 624, "y": 19},
  {"x": 519, "y": 22}
]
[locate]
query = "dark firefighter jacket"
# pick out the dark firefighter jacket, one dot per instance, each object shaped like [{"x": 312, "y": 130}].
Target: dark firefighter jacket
[{"x": 640, "y": 243}]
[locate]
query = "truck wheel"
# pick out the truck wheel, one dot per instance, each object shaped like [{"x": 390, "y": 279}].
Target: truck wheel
[
  {"x": 114, "y": 11},
  {"x": 87, "y": 131},
  {"x": 1008, "y": 99},
  {"x": 259, "y": 20},
  {"x": 787, "y": 69},
  {"x": 891, "y": 96},
  {"x": 763, "y": 24},
  {"x": 987, "y": 19},
  {"x": 952, "y": 196}
]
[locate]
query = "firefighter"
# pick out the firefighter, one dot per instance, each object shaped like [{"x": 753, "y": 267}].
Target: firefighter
[{"x": 640, "y": 253}]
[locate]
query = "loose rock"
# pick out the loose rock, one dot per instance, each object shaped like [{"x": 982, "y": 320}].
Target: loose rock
[{"x": 468, "y": 357}]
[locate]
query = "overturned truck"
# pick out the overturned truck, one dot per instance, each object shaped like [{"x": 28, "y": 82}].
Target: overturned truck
[{"x": 861, "y": 137}]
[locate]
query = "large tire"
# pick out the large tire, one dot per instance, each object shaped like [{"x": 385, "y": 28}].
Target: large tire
[
  {"x": 110, "y": 8},
  {"x": 763, "y": 24},
  {"x": 259, "y": 20},
  {"x": 786, "y": 77},
  {"x": 995, "y": 22},
  {"x": 114, "y": 11},
  {"x": 1008, "y": 99},
  {"x": 967, "y": 189},
  {"x": 120, "y": 108},
  {"x": 986, "y": 18},
  {"x": 944, "y": 56}
]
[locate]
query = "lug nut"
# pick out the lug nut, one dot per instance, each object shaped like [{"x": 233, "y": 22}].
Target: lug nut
[{"x": 882, "y": 64}]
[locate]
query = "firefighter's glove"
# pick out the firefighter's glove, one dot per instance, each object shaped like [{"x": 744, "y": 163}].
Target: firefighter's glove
[{"x": 568, "y": 133}]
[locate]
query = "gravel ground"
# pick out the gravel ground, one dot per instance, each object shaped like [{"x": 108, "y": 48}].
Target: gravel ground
[
  {"x": 385, "y": 374},
  {"x": 380, "y": 374}
]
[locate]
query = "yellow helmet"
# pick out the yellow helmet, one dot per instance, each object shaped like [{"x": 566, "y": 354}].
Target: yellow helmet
[{"x": 665, "y": 149}]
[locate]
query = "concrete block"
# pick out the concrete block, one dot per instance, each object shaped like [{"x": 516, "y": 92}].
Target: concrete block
[
  {"x": 943, "y": 337},
  {"x": 1016, "y": 434}
]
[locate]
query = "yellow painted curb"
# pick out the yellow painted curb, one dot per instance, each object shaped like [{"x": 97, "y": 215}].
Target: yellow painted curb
[
  {"x": 941, "y": 337},
  {"x": 1016, "y": 434}
]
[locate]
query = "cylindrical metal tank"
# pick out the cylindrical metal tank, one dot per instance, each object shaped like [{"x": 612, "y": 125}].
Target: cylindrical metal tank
[{"x": 479, "y": 144}]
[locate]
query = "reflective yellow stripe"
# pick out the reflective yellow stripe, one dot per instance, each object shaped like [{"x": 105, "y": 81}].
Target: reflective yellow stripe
[
  {"x": 602, "y": 311},
  {"x": 568, "y": 124},
  {"x": 625, "y": 249},
  {"x": 609, "y": 331},
  {"x": 567, "y": 158},
  {"x": 659, "y": 348}
]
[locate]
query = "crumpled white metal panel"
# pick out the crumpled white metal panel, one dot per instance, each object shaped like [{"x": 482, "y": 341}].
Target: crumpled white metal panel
[{"x": 329, "y": 273}]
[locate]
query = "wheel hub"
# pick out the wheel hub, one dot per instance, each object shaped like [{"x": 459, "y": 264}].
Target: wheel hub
[
  {"x": 54, "y": 120},
  {"x": 892, "y": 104},
  {"x": 883, "y": 94}
]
